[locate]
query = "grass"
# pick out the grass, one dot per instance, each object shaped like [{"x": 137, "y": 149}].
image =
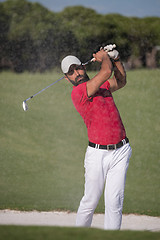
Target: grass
[
  {"x": 42, "y": 150},
  {"x": 58, "y": 233}
]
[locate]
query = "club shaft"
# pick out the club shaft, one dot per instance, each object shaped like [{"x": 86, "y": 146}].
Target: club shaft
[
  {"x": 44, "y": 89},
  {"x": 91, "y": 60}
]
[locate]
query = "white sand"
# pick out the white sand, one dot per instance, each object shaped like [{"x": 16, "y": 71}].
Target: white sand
[{"x": 129, "y": 222}]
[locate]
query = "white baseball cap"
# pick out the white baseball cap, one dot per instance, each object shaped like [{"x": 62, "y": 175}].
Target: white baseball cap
[{"x": 68, "y": 61}]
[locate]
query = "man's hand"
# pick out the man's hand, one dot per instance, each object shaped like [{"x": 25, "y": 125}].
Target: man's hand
[
  {"x": 114, "y": 54},
  {"x": 99, "y": 56},
  {"x": 109, "y": 47}
]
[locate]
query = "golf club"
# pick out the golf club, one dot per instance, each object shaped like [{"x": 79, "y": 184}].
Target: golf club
[
  {"x": 25, "y": 106},
  {"x": 106, "y": 49}
]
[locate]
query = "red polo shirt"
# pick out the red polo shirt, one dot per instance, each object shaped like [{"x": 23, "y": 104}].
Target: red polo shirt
[{"x": 100, "y": 114}]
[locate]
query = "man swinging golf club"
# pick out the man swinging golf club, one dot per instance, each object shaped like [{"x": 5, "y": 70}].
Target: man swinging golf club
[{"x": 107, "y": 155}]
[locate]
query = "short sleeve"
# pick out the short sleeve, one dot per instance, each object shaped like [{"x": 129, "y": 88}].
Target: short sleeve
[{"x": 106, "y": 85}]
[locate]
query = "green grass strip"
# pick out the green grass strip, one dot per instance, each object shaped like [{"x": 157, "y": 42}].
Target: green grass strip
[{"x": 58, "y": 233}]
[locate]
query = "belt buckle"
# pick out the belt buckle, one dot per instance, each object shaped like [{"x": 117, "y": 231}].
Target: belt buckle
[{"x": 111, "y": 147}]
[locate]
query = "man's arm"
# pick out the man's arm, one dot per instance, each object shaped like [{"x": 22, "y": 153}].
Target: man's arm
[
  {"x": 119, "y": 79},
  {"x": 103, "y": 75}
]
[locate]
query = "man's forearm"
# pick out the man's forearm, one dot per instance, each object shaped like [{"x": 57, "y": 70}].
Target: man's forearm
[
  {"x": 119, "y": 73},
  {"x": 106, "y": 63},
  {"x": 103, "y": 75}
]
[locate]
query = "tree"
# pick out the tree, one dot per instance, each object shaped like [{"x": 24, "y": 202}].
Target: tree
[
  {"x": 4, "y": 28},
  {"x": 36, "y": 36},
  {"x": 35, "y": 39}
]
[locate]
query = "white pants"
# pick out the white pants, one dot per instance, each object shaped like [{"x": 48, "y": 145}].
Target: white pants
[{"x": 104, "y": 168}]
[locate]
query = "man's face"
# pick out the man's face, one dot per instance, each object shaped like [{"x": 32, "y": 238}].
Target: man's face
[{"x": 77, "y": 74}]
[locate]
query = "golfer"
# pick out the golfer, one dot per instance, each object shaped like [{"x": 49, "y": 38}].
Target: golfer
[{"x": 107, "y": 155}]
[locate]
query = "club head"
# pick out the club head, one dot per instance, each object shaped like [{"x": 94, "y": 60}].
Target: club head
[{"x": 25, "y": 106}]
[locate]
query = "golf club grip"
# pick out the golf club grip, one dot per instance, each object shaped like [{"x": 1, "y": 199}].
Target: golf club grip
[{"x": 93, "y": 59}]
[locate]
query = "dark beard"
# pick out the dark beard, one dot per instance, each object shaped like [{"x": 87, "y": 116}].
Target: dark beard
[{"x": 84, "y": 78}]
